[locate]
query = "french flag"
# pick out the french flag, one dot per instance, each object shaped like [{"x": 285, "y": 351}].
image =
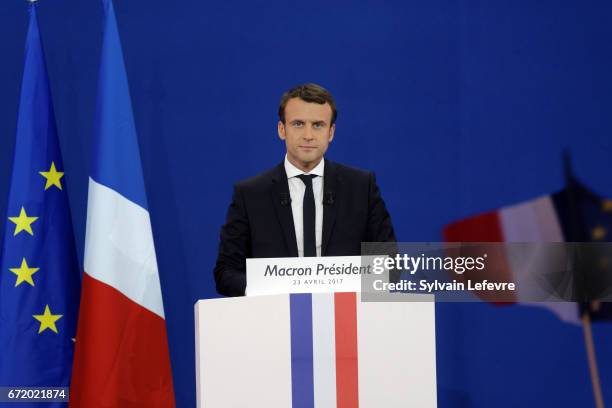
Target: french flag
[
  {"x": 569, "y": 215},
  {"x": 315, "y": 351},
  {"x": 121, "y": 355}
]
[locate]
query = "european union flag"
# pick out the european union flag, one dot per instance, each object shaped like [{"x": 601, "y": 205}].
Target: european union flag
[{"x": 39, "y": 274}]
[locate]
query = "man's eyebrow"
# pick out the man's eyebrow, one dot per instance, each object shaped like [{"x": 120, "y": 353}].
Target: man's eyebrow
[{"x": 317, "y": 122}]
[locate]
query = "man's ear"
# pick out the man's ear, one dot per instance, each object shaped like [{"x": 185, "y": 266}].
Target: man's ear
[
  {"x": 332, "y": 131},
  {"x": 281, "y": 130}
]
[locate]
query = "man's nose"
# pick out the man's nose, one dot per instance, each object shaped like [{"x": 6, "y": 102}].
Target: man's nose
[{"x": 308, "y": 135}]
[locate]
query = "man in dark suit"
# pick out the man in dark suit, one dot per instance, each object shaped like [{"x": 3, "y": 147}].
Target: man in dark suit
[{"x": 305, "y": 206}]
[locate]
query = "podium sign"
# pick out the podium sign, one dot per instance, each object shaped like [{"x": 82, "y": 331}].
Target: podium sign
[
  {"x": 269, "y": 276},
  {"x": 314, "y": 350}
]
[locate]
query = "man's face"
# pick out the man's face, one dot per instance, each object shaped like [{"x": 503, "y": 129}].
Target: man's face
[{"x": 307, "y": 132}]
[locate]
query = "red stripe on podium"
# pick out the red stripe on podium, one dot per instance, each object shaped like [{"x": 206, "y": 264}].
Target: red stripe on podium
[
  {"x": 347, "y": 378},
  {"x": 121, "y": 356}
]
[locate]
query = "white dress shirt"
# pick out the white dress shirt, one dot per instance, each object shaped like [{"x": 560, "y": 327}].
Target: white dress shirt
[{"x": 297, "y": 189}]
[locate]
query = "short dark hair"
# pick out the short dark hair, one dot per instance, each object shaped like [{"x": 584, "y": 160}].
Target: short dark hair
[{"x": 312, "y": 93}]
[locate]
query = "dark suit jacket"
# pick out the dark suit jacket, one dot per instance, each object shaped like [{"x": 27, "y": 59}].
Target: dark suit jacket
[{"x": 260, "y": 222}]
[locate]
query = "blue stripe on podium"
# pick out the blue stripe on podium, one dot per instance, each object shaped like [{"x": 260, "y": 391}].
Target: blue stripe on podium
[{"x": 302, "y": 382}]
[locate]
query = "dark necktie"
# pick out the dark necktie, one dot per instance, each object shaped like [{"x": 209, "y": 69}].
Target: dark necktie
[{"x": 310, "y": 240}]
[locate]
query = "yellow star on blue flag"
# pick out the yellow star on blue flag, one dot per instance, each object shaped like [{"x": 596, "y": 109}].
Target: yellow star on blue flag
[
  {"x": 23, "y": 222},
  {"x": 53, "y": 177},
  {"x": 47, "y": 320},
  {"x": 24, "y": 273}
]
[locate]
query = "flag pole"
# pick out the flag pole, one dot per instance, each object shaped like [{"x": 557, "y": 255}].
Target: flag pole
[
  {"x": 590, "y": 348},
  {"x": 577, "y": 235}
]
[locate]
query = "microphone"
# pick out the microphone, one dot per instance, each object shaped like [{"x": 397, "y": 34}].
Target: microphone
[
  {"x": 329, "y": 198},
  {"x": 285, "y": 199}
]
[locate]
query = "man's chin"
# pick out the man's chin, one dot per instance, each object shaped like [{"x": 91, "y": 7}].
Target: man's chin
[{"x": 309, "y": 160}]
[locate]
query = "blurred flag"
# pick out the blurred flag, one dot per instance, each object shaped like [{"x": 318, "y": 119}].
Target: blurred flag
[
  {"x": 121, "y": 356},
  {"x": 574, "y": 214},
  {"x": 39, "y": 275}
]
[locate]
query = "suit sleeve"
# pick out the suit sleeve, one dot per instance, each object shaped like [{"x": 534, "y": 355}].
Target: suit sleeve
[
  {"x": 380, "y": 228},
  {"x": 234, "y": 248}
]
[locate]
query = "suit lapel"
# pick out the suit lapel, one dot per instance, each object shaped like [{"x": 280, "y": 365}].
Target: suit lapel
[
  {"x": 282, "y": 204},
  {"x": 330, "y": 196}
]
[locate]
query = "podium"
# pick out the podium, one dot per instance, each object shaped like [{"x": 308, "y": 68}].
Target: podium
[{"x": 315, "y": 350}]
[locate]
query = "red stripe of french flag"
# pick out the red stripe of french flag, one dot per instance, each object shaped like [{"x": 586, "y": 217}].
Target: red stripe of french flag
[
  {"x": 122, "y": 356},
  {"x": 347, "y": 373}
]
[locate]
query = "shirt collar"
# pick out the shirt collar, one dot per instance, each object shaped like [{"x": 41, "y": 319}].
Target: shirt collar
[{"x": 293, "y": 171}]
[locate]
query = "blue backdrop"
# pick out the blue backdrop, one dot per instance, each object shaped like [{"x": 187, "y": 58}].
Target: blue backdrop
[{"x": 458, "y": 106}]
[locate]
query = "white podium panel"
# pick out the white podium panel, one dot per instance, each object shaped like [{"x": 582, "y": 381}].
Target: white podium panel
[{"x": 315, "y": 350}]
